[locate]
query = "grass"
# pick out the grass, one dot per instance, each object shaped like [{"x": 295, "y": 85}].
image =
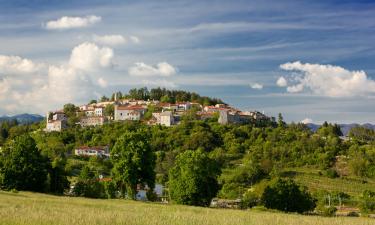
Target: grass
[{"x": 39, "y": 209}]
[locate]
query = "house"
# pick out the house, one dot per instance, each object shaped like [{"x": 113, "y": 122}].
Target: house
[
  {"x": 214, "y": 109},
  {"x": 183, "y": 106},
  {"x": 99, "y": 151},
  {"x": 167, "y": 118},
  {"x": 93, "y": 121},
  {"x": 129, "y": 112},
  {"x": 56, "y": 121},
  {"x": 168, "y": 107},
  {"x": 238, "y": 117}
]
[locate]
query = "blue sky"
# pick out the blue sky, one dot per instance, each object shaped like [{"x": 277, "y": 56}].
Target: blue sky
[{"x": 310, "y": 60}]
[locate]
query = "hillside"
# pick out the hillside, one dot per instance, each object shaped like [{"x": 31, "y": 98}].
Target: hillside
[
  {"x": 345, "y": 128},
  {"x": 26, "y": 208},
  {"x": 23, "y": 118}
]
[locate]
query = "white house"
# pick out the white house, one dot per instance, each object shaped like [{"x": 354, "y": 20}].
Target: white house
[
  {"x": 183, "y": 106},
  {"x": 56, "y": 122},
  {"x": 99, "y": 151},
  {"x": 131, "y": 112},
  {"x": 167, "y": 118},
  {"x": 92, "y": 121}
]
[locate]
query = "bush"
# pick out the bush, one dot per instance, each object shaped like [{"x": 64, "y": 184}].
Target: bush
[
  {"x": 331, "y": 173},
  {"x": 287, "y": 196},
  {"x": 328, "y": 211},
  {"x": 368, "y": 201},
  {"x": 249, "y": 200}
]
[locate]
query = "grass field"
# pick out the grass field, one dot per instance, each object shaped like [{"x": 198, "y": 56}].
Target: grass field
[{"x": 30, "y": 208}]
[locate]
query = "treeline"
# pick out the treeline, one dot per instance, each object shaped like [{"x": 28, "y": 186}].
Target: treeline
[
  {"x": 163, "y": 95},
  {"x": 196, "y": 160}
]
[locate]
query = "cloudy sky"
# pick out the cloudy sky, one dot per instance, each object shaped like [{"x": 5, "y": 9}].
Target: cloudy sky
[{"x": 310, "y": 60}]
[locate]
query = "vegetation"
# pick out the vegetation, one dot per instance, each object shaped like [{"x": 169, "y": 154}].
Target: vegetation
[
  {"x": 287, "y": 196},
  {"x": 25, "y": 208},
  {"x": 196, "y": 160},
  {"x": 193, "y": 180}
]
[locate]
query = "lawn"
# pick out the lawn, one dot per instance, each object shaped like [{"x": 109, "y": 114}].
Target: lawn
[{"x": 30, "y": 208}]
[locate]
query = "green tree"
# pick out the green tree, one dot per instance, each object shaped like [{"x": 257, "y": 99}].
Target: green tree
[
  {"x": 287, "y": 196},
  {"x": 133, "y": 162},
  {"x": 109, "y": 110},
  {"x": 193, "y": 180},
  {"x": 22, "y": 167}
]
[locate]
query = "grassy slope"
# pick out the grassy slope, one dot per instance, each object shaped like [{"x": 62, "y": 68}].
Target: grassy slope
[
  {"x": 311, "y": 179},
  {"x": 30, "y": 208}
]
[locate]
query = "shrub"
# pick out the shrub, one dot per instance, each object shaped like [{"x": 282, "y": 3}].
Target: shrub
[{"x": 287, "y": 196}]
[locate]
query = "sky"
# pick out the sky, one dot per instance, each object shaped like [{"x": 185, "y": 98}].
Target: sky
[{"x": 312, "y": 61}]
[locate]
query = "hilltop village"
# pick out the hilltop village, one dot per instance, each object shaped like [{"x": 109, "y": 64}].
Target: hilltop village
[{"x": 151, "y": 112}]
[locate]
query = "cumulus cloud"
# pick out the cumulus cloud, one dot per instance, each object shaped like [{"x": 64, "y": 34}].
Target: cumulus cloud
[
  {"x": 67, "y": 22},
  {"x": 18, "y": 65},
  {"x": 282, "y": 82},
  {"x": 256, "y": 86},
  {"x": 163, "y": 69},
  {"x": 26, "y": 86},
  {"x": 111, "y": 40},
  {"x": 328, "y": 80},
  {"x": 88, "y": 56}
]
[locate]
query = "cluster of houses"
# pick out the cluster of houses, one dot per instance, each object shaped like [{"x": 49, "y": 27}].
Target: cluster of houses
[{"x": 166, "y": 114}]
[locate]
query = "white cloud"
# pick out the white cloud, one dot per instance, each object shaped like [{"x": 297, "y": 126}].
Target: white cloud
[
  {"x": 256, "y": 86},
  {"x": 307, "y": 120},
  {"x": 26, "y": 86},
  {"x": 163, "y": 69},
  {"x": 88, "y": 56},
  {"x": 111, "y": 40},
  {"x": 282, "y": 82},
  {"x": 135, "y": 39},
  {"x": 328, "y": 80},
  {"x": 18, "y": 65},
  {"x": 67, "y": 22}
]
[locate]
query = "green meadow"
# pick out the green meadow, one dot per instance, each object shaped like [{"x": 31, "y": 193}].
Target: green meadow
[{"x": 25, "y": 208}]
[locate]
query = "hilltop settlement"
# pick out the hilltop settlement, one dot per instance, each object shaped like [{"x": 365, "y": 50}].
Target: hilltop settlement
[{"x": 151, "y": 112}]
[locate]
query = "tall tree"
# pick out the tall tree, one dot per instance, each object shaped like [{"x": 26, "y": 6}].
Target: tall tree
[
  {"x": 133, "y": 162},
  {"x": 193, "y": 180},
  {"x": 22, "y": 166}
]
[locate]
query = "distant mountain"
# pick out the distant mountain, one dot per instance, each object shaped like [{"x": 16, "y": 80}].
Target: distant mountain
[
  {"x": 345, "y": 128},
  {"x": 23, "y": 118}
]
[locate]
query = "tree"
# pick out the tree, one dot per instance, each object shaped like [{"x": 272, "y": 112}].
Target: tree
[
  {"x": 193, "y": 180},
  {"x": 109, "y": 110},
  {"x": 280, "y": 120},
  {"x": 133, "y": 162},
  {"x": 22, "y": 167},
  {"x": 287, "y": 196}
]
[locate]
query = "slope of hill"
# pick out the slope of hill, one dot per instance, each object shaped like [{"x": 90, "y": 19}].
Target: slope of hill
[
  {"x": 23, "y": 118},
  {"x": 345, "y": 128},
  {"x": 31, "y": 208}
]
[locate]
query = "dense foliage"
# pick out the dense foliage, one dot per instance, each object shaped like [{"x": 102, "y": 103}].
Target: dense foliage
[
  {"x": 192, "y": 181},
  {"x": 133, "y": 162},
  {"x": 22, "y": 167},
  {"x": 287, "y": 196}
]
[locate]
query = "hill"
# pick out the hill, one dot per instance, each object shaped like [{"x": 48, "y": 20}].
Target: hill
[
  {"x": 23, "y": 118},
  {"x": 345, "y": 128},
  {"x": 26, "y": 208}
]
